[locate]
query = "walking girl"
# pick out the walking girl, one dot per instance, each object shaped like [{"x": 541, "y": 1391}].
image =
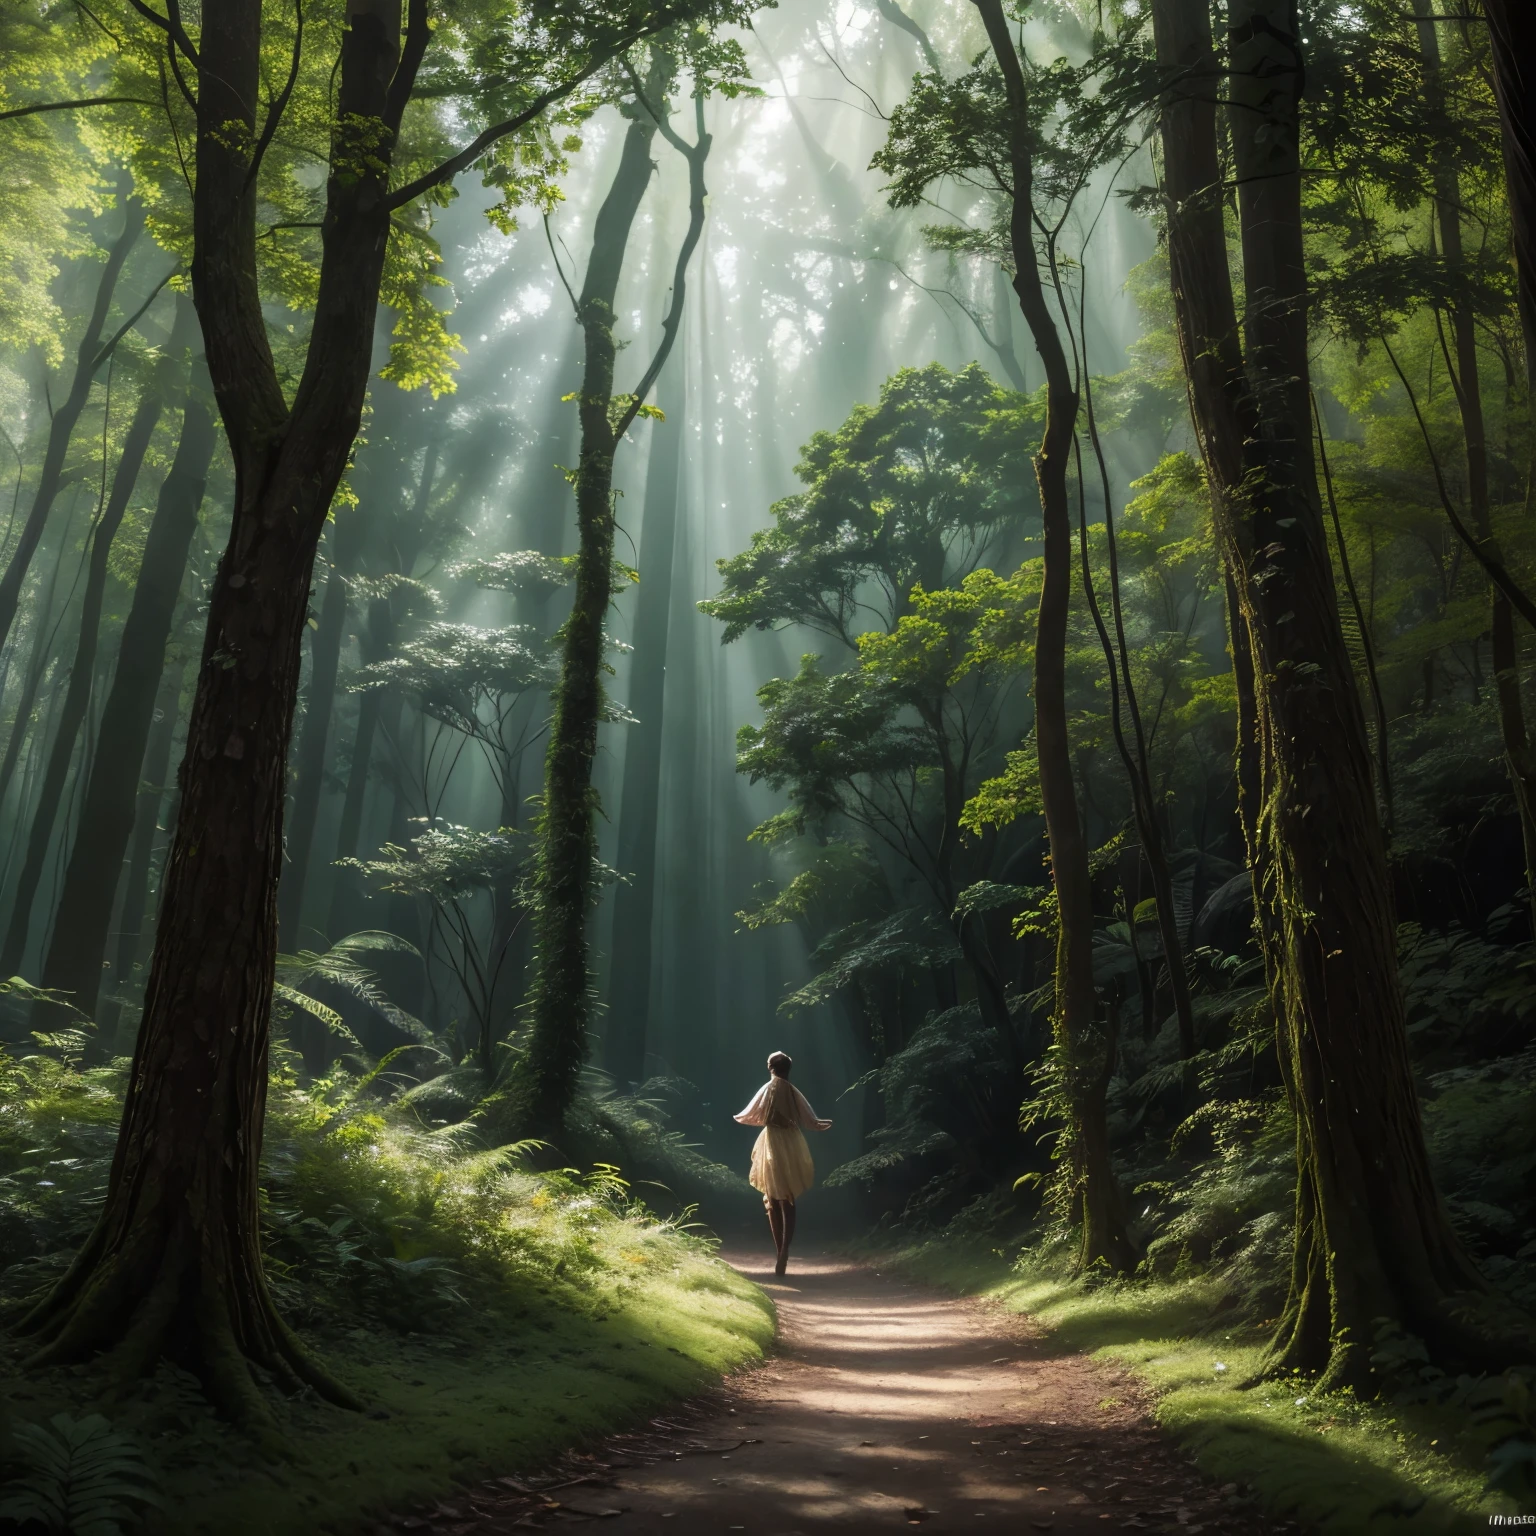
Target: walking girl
[{"x": 781, "y": 1161}]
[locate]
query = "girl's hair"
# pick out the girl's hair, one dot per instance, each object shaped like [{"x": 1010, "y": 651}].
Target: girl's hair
[{"x": 779, "y": 1064}]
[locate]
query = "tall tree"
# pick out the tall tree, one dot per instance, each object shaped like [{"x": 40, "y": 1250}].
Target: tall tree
[
  {"x": 44, "y": 631},
  {"x": 1512, "y": 29},
  {"x": 82, "y": 672},
  {"x": 640, "y": 799},
  {"x": 94, "y": 348},
  {"x": 1371, "y": 1239},
  {"x": 563, "y": 884},
  {"x": 1013, "y": 135},
  {"x": 73, "y": 962},
  {"x": 174, "y": 1264},
  {"x": 1463, "y": 364}
]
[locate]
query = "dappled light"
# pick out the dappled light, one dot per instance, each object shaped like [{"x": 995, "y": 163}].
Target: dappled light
[{"x": 567, "y": 568}]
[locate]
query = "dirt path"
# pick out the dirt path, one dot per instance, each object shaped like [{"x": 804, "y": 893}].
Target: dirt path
[{"x": 888, "y": 1406}]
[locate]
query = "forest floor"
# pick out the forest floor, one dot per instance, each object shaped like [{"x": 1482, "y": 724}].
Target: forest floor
[{"x": 887, "y": 1405}]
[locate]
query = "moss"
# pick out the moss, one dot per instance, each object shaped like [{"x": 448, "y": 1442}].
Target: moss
[
  {"x": 1343, "y": 1466},
  {"x": 462, "y": 1406}
]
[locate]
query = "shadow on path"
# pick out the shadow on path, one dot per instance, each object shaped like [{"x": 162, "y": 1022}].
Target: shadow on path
[{"x": 888, "y": 1407}]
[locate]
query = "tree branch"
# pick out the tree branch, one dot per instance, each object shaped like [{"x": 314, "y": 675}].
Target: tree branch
[
  {"x": 1483, "y": 551},
  {"x": 107, "y": 348},
  {"x": 467, "y": 156},
  {"x": 170, "y": 24},
  {"x": 280, "y": 105},
  {"x": 84, "y": 101},
  {"x": 696, "y": 155}
]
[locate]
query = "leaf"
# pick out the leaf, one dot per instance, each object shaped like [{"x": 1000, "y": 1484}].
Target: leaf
[{"x": 988, "y": 896}]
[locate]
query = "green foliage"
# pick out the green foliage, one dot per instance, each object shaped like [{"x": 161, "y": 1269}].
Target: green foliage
[
  {"x": 76, "y": 1478},
  {"x": 911, "y": 937},
  {"x": 911, "y": 492},
  {"x": 458, "y": 672},
  {"x": 342, "y": 969}
]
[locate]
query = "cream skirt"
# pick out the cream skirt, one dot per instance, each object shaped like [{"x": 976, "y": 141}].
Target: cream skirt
[{"x": 781, "y": 1163}]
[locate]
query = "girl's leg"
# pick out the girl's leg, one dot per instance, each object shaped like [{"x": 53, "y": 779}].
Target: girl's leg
[
  {"x": 789, "y": 1233},
  {"x": 775, "y": 1209}
]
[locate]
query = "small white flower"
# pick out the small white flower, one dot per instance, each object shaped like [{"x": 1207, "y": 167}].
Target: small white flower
[
  {"x": 1219, "y": 1368},
  {"x": 1301, "y": 1402}
]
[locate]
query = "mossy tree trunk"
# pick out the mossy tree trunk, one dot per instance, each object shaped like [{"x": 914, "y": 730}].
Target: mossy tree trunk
[
  {"x": 559, "y": 998},
  {"x": 173, "y": 1267},
  {"x": 1081, "y": 1038},
  {"x": 1371, "y": 1238}
]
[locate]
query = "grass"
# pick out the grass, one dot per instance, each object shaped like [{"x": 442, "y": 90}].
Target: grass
[
  {"x": 446, "y": 1409},
  {"x": 488, "y": 1313},
  {"x": 1331, "y": 1462}
]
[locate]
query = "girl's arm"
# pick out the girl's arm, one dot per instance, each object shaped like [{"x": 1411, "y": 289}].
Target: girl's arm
[
  {"x": 808, "y": 1120},
  {"x": 756, "y": 1113}
]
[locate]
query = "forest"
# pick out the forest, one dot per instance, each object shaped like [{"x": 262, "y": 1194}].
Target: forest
[{"x": 551, "y": 551}]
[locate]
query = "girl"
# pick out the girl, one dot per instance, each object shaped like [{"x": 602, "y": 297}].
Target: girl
[{"x": 781, "y": 1161}]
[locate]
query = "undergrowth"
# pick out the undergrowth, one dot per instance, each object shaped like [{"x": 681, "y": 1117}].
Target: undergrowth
[
  {"x": 1206, "y": 1156},
  {"x": 487, "y": 1309}
]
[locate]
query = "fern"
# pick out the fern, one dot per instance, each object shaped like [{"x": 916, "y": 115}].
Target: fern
[{"x": 77, "y": 1478}]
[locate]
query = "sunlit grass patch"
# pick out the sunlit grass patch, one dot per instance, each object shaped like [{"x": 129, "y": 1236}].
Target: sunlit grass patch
[
  {"x": 489, "y": 1314},
  {"x": 1330, "y": 1461},
  {"x": 463, "y": 1407}
]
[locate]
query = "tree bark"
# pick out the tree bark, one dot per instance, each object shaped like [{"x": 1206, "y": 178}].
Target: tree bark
[
  {"x": 1082, "y": 1040},
  {"x": 77, "y": 695},
  {"x": 1371, "y": 1238},
  {"x": 73, "y": 962},
  {"x": 640, "y": 805},
  {"x": 174, "y": 1266},
  {"x": 134, "y": 913},
  {"x": 89, "y": 356}
]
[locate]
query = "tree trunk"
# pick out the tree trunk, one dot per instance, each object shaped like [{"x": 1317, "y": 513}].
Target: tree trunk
[
  {"x": 325, "y": 660},
  {"x": 1512, "y": 31},
  {"x": 84, "y": 918},
  {"x": 1371, "y": 1238},
  {"x": 134, "y": 913},
  {"x": 563, "y": 886},
  {"x": 1519, "y": 759},
  {"x": 77, "y": 696},
  {"x": 1082, "y": 1042},
  {"x": 174, "y": 1265},
  {"x": 639, "y": 811},
  {"x": 345, "y": 895},
  {"x": 89, "y": 356},
  {"x": 375, "y": 641},
  {"x": 37, "y": 663}
]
